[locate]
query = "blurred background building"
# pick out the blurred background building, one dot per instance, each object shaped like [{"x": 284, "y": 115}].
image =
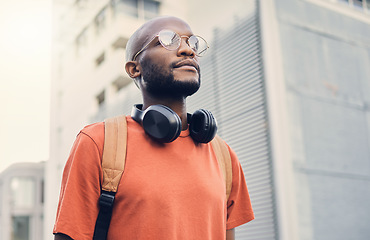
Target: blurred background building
[
  {"x": 22, "y": 201},
  {"x": 288, "y": 81}
]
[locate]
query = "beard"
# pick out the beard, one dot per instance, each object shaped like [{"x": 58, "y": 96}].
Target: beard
[{"x": 160, "y": 82}]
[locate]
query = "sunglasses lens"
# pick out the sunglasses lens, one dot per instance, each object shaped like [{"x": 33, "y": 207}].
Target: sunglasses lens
[
  {"x": 198, "y": 44},
  {"x": 169, "y": 39}
]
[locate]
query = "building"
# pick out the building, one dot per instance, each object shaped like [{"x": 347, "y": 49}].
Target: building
[
  {"x": 316, "y": 58},
  {"x": 287, "y": 81},
  {"x": 22, "y": 201}
]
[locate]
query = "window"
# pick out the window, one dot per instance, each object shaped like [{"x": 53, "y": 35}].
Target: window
[
  {"x": 100, "y": 20},
  {"x": 151, "y": 9},
  {"x": 23, "y": 192},
  {"x": 145, "y": 9},
  {"x": 99, "y": 60},
  {"x": 20, "y": 228},
  {"x": 81, "y": 3},
  {"x": 120, "y": 43},
  {"x": 81, "y": 41},
  {"x": 1, "y": 200},
  {"x": 101, "y": 99},
  {"x": 128, "y": 7},
  {"x": 42, "y": 192},
  {"x": 357, "y": 4},
  {"x": 120, "y": 82},
  {"x": 367, "y": 3}
]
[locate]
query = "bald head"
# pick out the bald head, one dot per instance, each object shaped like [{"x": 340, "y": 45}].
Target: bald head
[{"x": 149, "y": 29}]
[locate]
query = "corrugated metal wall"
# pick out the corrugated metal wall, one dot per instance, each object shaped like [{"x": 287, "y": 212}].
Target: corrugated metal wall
[{"x": 233, "y": 89}]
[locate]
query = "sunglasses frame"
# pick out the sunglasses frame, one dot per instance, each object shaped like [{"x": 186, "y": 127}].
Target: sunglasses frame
[{"x": 187, "y": 42}]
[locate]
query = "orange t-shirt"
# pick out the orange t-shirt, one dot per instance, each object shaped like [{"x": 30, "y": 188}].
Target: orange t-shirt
[{"x": 167, "y": 191}]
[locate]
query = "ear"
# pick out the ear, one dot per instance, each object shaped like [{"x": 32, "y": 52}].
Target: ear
[{"x": 132, "y": 69}]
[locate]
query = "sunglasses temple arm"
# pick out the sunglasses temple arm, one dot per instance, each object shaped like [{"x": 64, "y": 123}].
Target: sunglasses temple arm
[{"x": 143, "y": 48}]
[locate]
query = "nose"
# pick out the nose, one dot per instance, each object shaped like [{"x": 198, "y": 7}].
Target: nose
[{"x": 184, "y": 48}]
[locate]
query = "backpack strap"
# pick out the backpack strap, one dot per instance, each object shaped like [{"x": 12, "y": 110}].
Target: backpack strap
[
  {"x": 114, "y": 152},
  {"x": 113, "y": 165},
  {"x": 224, "y": 161}
]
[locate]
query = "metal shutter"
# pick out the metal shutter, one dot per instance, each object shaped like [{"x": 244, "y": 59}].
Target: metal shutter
[{"x": 233, "y": 89}]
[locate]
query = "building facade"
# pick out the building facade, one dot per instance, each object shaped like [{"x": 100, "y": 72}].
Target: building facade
[
  {"x": 319, "y": 64},
  {"x": 287, "y": 81},
  {"x": 22, "y": 202}
]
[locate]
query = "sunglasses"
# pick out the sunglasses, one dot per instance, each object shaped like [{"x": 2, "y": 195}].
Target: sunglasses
[{"x": 171, "y": 40}]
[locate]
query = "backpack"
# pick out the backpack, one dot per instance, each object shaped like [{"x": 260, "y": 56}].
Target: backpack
[{"x": 113, "y": 165}]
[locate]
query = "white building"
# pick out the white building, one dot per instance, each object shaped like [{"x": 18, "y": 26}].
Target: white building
[
  {"x": 286, "y": 79},
  {"x": 22, "y": 202}
]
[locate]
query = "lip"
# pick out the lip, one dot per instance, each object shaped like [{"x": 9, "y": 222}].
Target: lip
[
  {"x": 187, "y": 65},
  {"x": 188, "y": 68}
]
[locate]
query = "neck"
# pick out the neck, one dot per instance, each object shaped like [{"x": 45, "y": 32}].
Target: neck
[{"x": 177, "y": 105}]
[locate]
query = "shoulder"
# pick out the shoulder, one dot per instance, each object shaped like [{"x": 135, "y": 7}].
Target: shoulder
[
  {"x": 221, "y": 141},
  {"x": 232, "y": 152},
  {"x": 94, "y": 132},
  {"x": 229, "y": 156}
]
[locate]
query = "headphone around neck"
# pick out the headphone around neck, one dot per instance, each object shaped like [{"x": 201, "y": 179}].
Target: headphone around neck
[{"x": 164, "y": 125}]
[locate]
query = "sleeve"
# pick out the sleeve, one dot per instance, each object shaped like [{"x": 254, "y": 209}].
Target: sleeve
[
  {"x": 239, "y": 207},
  {"x": 80, "y": 190}
]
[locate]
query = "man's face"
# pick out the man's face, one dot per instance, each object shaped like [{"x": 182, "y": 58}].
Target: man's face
[{"x": 170, "y": 73}]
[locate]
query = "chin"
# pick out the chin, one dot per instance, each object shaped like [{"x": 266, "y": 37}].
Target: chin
[{"x": 189, "y": 80}]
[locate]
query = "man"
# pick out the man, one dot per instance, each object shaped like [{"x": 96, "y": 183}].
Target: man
[{"x": 170, "y": 189}]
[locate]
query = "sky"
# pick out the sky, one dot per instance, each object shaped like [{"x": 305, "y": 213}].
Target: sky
[{"x": 25, "y": 70}]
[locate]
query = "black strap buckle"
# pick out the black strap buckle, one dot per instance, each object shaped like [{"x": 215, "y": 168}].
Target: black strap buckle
[{"x": 106, "y": 199}]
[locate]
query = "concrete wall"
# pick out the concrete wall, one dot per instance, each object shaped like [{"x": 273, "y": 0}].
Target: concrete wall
[{"x": 325, "y": 59}]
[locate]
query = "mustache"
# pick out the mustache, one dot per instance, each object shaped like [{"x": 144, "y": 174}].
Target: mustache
[{"x": 186, "y": 62}]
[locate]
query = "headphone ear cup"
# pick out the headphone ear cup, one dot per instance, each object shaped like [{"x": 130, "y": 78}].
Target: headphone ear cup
[
  {"x": 203, "y": 126},
  {"x": 161, "y": 123}
]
